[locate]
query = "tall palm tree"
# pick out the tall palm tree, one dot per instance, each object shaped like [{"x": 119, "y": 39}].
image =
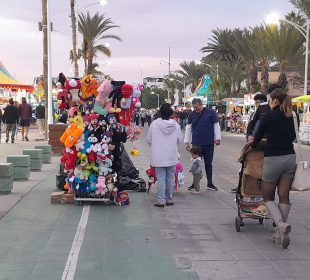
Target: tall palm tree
[
  {"x": 191, "y": 73},
  {"x": 93, "y": 29},
  {"x": 287, "y": 46},
  {"x": 73, "y": 53}
]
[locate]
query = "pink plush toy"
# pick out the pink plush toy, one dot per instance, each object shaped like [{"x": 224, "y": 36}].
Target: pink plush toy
[
  {"x": 103, "y": 92},
  {"x": 101, "y": 186}
]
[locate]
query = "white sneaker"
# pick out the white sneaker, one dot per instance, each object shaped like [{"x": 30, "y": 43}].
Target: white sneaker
[{"x": 195, "y": 192}]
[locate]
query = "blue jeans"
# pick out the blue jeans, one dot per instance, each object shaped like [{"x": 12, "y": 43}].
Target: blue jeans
[{"x": 165, "y": 183}]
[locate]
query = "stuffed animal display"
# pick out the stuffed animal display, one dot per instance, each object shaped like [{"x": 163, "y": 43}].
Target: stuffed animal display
[{"x": 99, "y": 117}]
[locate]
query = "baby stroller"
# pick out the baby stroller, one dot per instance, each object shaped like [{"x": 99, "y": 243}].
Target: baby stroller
[{"x": 249, "y": 197}]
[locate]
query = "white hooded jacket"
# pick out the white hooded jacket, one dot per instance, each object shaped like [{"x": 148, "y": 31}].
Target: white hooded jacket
[{"x": 163, "y": 137}]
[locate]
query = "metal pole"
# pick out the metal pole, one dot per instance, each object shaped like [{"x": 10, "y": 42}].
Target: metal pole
[
  {"x": 307, "y": 58},
  {"x": 183, "y": 95},
  {"x": 168, "y": 97},
  {"x": 158, "y": 101},
  {"x": 49, "y": 70}
]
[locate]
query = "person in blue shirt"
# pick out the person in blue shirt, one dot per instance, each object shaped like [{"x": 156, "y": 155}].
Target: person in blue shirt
[{"x": 203, "y": 130}]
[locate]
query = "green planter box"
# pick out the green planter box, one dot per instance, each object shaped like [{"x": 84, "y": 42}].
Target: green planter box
[
  {"x": 46, "y": 158},
  {"x": 6, "y": 185},
  {"x": 19, "y": 160},
  {"x": 46, "y": 149},
  {"x": 33, "y": 153},
  {"x": 21, "y": 173},
  {"x": 6, "y": 170},
  {"x": 36, "y": 164}
]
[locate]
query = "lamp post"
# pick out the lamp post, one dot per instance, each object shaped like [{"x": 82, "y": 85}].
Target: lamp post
[
  {"x": 184, "y": 86},
  {"x": 154, "y": 93},
  {"x": 304, "y": 30},
  {"x": 169, "y": 68}
]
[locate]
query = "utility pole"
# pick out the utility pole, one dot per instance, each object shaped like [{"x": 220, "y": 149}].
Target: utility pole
[
  {"x": 74, "y": 39},
  {"x": 45, "y": 61}
]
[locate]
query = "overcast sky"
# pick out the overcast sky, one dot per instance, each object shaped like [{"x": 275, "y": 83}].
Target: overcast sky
[{"x": 148, "y": 28}]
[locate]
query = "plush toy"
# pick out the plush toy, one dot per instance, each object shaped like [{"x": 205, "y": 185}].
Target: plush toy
[
  {"x": 82, "y": 158},
  {"x": 73, "y": 137},
  {"x": 94, "y": 118},
  {"x": 110, "y": 185},
  {"x": 73, "y": 87},
  {"x": 104, "y": 91},
  {"x": 122, "y": 198},
  {"x": 73, "y": 111},
  {"x": 135, "y": 101},
  {"x": 99, "y": 109},
  {"x": 114, "y": 126},
  {"x": 89, "y": 104},
  {"x": 62, "y": 94},
  {"x": 116, "y": 96},
  {"x": 85, "y": 86},
  {"x": 105, "y": 140},
  {"x": 93, "y": 88},
  {"x": 104, "y": 164},
  {"x": 69, "y": 159},
  {"x": 101, "y": 187},
  {"x": 92, "y": 167},
  {"x": 134, "y": 152},
  {"x": 92, "y": 181},
  {"x": 69, "y": 130}
]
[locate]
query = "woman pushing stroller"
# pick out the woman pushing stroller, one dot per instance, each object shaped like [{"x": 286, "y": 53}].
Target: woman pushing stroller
[{"x": 279, "y": 161}]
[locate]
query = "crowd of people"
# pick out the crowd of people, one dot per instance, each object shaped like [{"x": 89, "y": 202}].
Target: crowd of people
[
  {"x": 272, "y": 121},
  {"x": 18, "y": 116}
]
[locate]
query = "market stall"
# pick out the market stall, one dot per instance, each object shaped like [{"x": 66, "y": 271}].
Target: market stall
[
  {"x": 98, "y": 124},
  {"x": 10, "y": 87}
]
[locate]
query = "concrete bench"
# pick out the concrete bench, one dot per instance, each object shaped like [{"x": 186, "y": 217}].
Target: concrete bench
[
  {"x": 35, "y": 158},
  {"x": 46, "y": 152},
  {"x": 6, "y": 178},
  {"x": 21, "y": 166}
]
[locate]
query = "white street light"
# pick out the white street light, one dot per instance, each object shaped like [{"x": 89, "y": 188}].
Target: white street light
[
  {"x": 101, "y": 2},
  {"x": 275, "y": 18},
  {"x": 154, "y": 93},
  {"x": 184, "y": 86}
]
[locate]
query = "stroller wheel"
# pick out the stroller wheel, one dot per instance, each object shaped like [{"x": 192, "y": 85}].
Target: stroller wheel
[
  {"x": 261, "y": 220},
  {"x": 238, "y": 223}
]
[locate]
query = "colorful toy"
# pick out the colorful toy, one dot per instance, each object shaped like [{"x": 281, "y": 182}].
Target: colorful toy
[
  {"x": 116, "y": 96},
  {"x": 85, "y": 86},
  {"x": 101, "y": 187},
  {"x": 69, "y": 159},
  {"x": 73, "y": 87},
  {"x": 104, "y": 91},
  {"x": 62, "y": 95}
]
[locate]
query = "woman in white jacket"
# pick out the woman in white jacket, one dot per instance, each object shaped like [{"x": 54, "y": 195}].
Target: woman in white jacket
[{"x": 163, "y": 136}]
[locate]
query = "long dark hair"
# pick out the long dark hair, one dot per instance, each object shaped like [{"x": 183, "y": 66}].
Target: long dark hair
[{"x": 284, "y": 100}]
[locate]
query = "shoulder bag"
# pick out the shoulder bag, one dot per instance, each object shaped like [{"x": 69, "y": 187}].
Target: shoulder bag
[{"x": 301, "y": 180}]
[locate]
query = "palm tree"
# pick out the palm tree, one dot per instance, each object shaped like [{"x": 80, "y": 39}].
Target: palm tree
[
  {"x": 73, "y": 53},
  {"x": 93, "y": 29},
  {"x": 169, "y": 86},
  {"x": 287, "y": 46},
  {"x": 303, "y": 6},
  {"x": 191, "y": 73}
]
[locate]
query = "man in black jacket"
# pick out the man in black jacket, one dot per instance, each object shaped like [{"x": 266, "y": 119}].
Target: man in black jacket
[
  {"x": 261, "y": 111},
  {"x": 10, "y": 118}
]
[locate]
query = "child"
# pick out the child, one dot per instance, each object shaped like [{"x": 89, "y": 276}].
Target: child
[{"x": 196, "y": 169}]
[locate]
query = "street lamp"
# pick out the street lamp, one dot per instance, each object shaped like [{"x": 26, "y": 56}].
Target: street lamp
[
  {"x": 184, "y": 86},
  {"x": 275, "y": 18},
  {"x": 101, "y": 2},
  {"x": 154, "y": 93},
  {"x": 215, "y": 69}
]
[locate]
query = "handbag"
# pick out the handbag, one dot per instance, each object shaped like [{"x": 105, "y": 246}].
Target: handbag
[{"x": 301, "y": 180}]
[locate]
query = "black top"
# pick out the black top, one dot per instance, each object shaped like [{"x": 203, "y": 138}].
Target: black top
[
  {"x": 11, "y": 114},
  {"x": 259, "y": 114},
  {"x": 40, "y": 112},
  {"x": 280, "y": 133}
]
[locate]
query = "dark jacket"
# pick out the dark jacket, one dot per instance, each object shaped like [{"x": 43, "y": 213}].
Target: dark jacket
[
  {"x": 25, "y": 111},
  {"x": 280, "y": 133},
  {"x": 10, "y": 115},
  {"x": 40, "y": 112},
  {"x": 259, "y": 114}
]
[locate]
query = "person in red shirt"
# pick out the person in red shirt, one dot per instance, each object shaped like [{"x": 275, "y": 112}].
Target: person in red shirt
[{"x": 25, "y": 112}]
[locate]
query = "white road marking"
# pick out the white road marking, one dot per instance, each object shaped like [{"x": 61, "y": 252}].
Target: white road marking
[{"x": 72, "y": 260}]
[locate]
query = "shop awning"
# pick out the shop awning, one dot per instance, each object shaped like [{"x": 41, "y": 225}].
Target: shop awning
[
  {"x": 8, "y": 81},
  {"x": 303, "y": 98}
]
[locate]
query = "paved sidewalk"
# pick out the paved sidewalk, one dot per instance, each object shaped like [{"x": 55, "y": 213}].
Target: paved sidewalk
[{"x": 22, "y": 188}]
